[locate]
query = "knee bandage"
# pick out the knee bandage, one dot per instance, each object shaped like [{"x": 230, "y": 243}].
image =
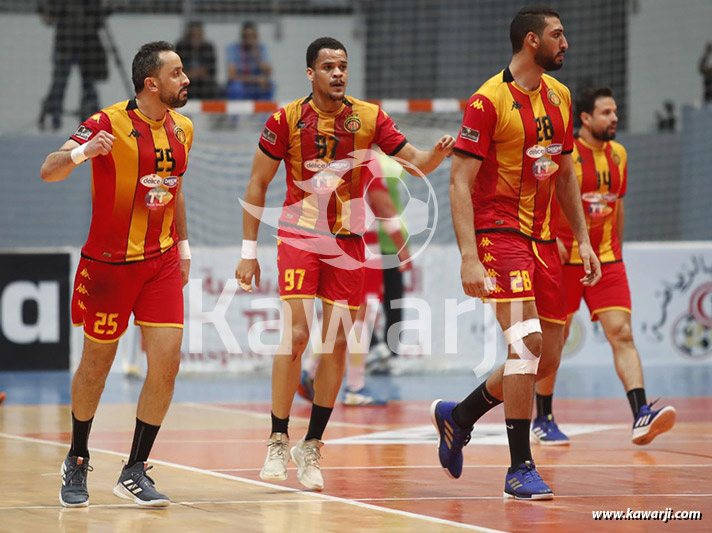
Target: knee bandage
[{"x": 528, "y": 363}]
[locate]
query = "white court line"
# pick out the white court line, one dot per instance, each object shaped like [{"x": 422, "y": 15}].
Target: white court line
[
  {"x": 263, "y": 416},
  {"x": 326, "y": 497},
  {"x": 415, "y": 467}
]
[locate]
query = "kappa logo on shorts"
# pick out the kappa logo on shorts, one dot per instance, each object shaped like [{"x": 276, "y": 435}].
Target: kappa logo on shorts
[
  {"x": 488, "y": 258},
  {"x": 85, "y": 274},
  {"x": 83, "y": 133},
  {"x": 81, "y": 305},
  {"x": 81, "y": 289},
  {"x": 269, "y": 136},
  {"x": 492, "y": 273},
  {"x": 470, "y": 134},
  {"x": 484, "y": 242}
]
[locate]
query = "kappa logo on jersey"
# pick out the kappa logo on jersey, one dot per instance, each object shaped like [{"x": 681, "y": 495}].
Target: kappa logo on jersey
[
  {"x": 470, "y": 134},
  {"x": 134, "y": 133},
  {"x": 83, "y": 133},
  {"x": 277, "y": 116},
  {"x": 477, "y": 104},
  {"x": 516, "y": 105},
  {"x": 269, "y": 136}
]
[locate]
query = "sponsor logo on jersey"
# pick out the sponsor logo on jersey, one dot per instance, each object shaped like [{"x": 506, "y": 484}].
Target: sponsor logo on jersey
[
  {"x": 544, "y": 168},
  {"x": 180, "y": 134},
  {"x": 151, "y": 180},
  {"x": 170, "y": 181},
  {"x": 554, "y": 149},
  {"x": 301, "y": 125},
  {"x": 157, "y": 198},
  {"x": 83, "y": 133},
  {"x": 315, "y": 165},
  {"x": 352, "y": 123},
  {"x": 340, "y": 165},
  {"x": 536, "y": 151},
  {"x": 470, "y": 134},
  {"x": 269, "y": 136},
  {"x": 553, "y": 97}
]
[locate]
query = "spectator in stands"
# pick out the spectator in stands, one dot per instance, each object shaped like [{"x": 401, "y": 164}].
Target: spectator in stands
[
  {"x": 666, "y": 120},
  {"x": 706, "y": 71},
  {"x": 198, "y": 57},
  {"x": 76, "y": 41},
  {"x": 248, "y": 67}
]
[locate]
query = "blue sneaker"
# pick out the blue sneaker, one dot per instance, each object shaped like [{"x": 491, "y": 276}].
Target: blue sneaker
[
  {"x": 546, "y": 432},
  {"x": 361, "y": 397},
  {"x": 525, "y": 483},
  {"x": 451, "y": 437},
  {"x": 649, "y": 423},
  {"x": 306, "y": 387}
]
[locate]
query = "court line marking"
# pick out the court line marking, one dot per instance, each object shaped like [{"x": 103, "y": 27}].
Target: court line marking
[
  {"x": 263, "y": 416},
  {"x": 316, "y": 495},
  {"x": 413, "y": 467}
]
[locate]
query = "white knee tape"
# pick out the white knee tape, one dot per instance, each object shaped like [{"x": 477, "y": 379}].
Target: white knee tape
[
  {"x": 520, "y": 366},
  {"x": 528, "y": 363},
  {"x": 519, "y": 330}
]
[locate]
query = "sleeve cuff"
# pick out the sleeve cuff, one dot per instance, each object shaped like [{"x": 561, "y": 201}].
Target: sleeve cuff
[
  {"x": 266, "y": 152},
  {"x": 469, "y": 154},
  {"x": 566, "y": 152},
  {"x": 399, "y": 147}
]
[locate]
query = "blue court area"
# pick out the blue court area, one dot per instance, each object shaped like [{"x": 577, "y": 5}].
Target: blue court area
[{"x": 53, "y": 387}]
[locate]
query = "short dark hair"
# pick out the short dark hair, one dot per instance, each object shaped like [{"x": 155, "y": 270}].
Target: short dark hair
[
  {"x": 147, "y": 62},
  {"x": 319, "y": 44},
  {"x": 586, "y": 99},
  {"x": 249, "y": 25},
  {"x": 529, "y": 19}
]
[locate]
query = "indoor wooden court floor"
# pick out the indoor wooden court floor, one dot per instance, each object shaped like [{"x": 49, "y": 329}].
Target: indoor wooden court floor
[{"x": 380, "y": 468}]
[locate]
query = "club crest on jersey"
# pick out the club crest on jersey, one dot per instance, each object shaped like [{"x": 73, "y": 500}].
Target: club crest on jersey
[
  {"x": 544, "y": 168},
  {"x": 615, "y": 158},
  {"x": 553, "y": 97},
  {"x": 83, "y": 133},
  {"x": 352, "y": 123},
  {"x": 180, "y": 134}
]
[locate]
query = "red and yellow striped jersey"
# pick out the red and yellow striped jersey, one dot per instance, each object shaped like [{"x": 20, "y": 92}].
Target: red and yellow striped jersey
[
  {"x": 603, "y": 178},
  {"x": 134, "y": 186},
  {"x": 324, "y": 184},
  {"x": 520, "y": 137}
]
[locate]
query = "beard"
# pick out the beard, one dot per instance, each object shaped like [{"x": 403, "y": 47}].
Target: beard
[
  {"x": 547, "y": 63},
  {"x": 603, "y": 135},
  {"x": 174, "y": 100}
]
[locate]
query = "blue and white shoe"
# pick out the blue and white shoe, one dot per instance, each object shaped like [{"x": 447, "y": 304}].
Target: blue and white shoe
[
  {"x": 525, "y": 483},
  {"x": 546, "y": 432},
  {"x": 361, "y": 397},
  {"x": 306, "y": 386},
  {"x": 451, "y": 437},
  {"x": 649, "y": 423}
]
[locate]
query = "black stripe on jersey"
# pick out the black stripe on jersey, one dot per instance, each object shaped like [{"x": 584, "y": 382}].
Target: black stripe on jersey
[
  {"x": 264, "y": 150},
  {"x": 470, "y": 154},
  {"x": 399, "y": 147}
]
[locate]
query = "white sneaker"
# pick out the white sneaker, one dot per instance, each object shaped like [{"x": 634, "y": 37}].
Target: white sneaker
[
  {"x": 306, "y": 455},
  {"x": 275, "y": 466}
]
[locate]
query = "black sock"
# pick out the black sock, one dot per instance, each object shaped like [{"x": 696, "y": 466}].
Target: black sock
[
  {"x": 144, "y": 437},
  {"x": 518, "y": 436},
  {"x": 471, "y": 409},
  {"x": 80, "y": 437},
  {"x": 543, "y": 405},
  {"x": 636, "y": 398},
  {"x": 317, "y": 422},
  {"x": 280, "y": 425}
]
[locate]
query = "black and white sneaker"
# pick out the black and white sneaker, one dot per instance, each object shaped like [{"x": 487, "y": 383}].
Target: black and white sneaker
[
  {"x": 135, "y": 485},
  {"x": 74, "y": 491}
]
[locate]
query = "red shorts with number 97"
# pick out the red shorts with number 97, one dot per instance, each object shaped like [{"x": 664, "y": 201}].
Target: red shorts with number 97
[
  {"x": 524, "y": 270},
  {"x": 106, "y": 294}
]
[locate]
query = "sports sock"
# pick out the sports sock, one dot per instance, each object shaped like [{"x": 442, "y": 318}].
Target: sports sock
[
  {"x": 280, "y": 425},
  {"x": 471, "y": 409},
  {"x": 317, "y": 422},
  {"x": 144, "y": 437},
  {"x": 80, "y": 437},
  {"x": 518, "y": 437},
  {"x": 636, "y": 398},
  {"x": 543, "y": 404}
]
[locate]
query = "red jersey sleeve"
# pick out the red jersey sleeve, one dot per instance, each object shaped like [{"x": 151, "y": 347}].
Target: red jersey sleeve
[
  {"x": 388, "y": 137},
  {"x": 274, "y": 140},
  {"x": 569, "y": 135},
  {"x": 478, "y": 127},
  {"x": 91, "y": 126}
]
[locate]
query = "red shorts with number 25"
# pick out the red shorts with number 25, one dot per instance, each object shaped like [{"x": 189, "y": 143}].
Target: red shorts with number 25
[
  {"x": 524, "y": 270},
  {"x": 105, "y": 295}
]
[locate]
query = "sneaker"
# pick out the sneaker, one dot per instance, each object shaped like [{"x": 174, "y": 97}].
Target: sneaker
[
  {"x": 378, "y": 359},
  {"x": 306, "y": 387},
  {"x": 451, "y": 437},
  {"x": 361, "y": 397},
  {"x": 649, "y": 423},
  {"x": 275, "y": 466},
  {"x": 525, "y": 483},
  {"x": 135, "y": 485},
  {"x": 306, "y": 455},
  {"x": 74, "y": 491},
  {"x": 546, "y": 432}
]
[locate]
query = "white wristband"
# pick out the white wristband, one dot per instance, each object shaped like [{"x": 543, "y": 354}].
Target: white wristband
[
  {"x": 249, "y": 250},
  {"x": 78, "y": 155},
  {"x": 391, "y": 225},
  {"x": 184, "y": 250}
]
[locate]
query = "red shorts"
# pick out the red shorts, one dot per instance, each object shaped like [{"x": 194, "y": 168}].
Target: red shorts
[
  {"x": 524, "y": 270},
  {"x": 323, "y": 266},
  {"x": 373, "y": 273},
  {"x": 612, "y": 292},
  {"x": 105, "y": 295}
]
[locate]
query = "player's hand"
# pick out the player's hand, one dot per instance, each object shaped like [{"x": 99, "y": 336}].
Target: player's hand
[
  {"x": 185, "y": 271},
  {"x": 475, "y": 280},
  {"x": 563, "y": 252},
  {"x": 246, "y": 270},
  {"x": 404, "y": 258},
  {"x": 591, "y": 265},
  {"x": 101, "y": 144},
  {"x": 445, "y": 145}
]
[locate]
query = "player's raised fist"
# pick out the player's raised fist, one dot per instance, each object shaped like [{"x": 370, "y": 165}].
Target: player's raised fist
[{"x": 101, "y": 144}]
